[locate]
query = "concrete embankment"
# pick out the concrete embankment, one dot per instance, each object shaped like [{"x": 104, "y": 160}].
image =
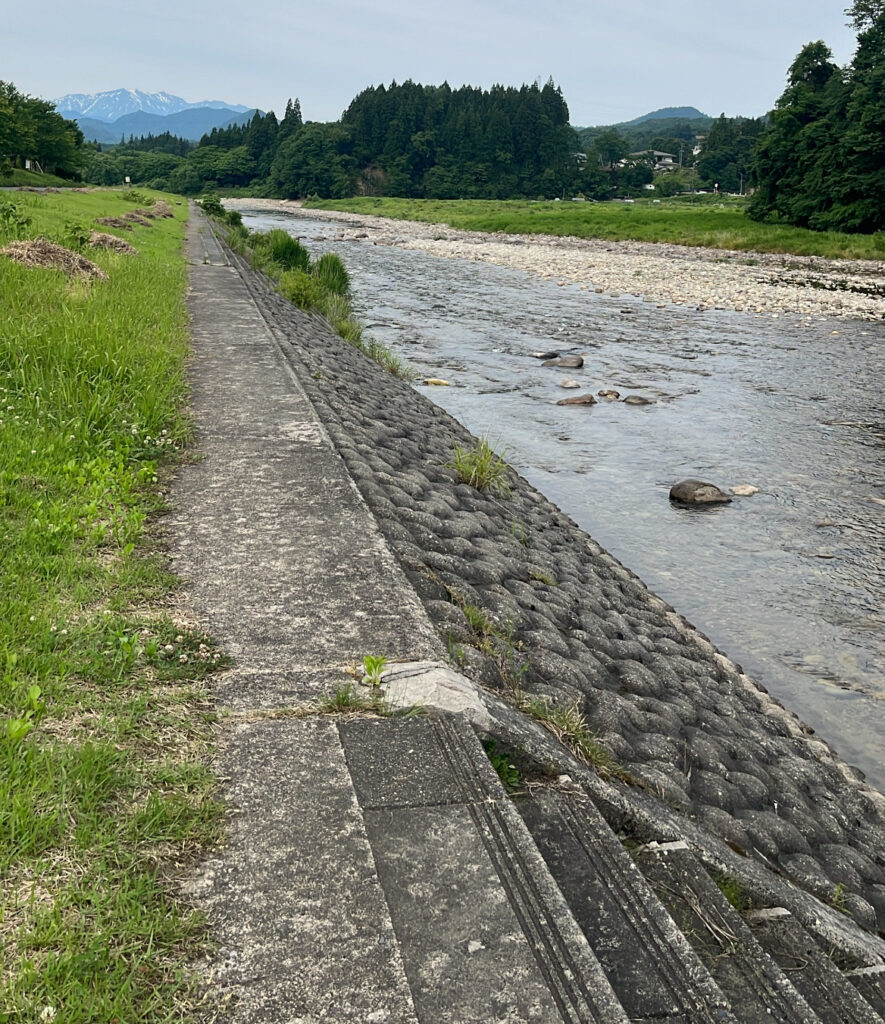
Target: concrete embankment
[{"x": 325, "y": 522}]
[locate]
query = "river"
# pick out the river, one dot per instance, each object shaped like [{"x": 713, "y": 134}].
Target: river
[{"x": 788, "y": 582}]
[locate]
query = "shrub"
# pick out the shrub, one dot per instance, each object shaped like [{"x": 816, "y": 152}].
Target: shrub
[
  {"x": 331, "y": 273},
  {"x": 234, "y": 218},
  {"x": 301, "y": 289},
  {"x": 212, "y": 206}
]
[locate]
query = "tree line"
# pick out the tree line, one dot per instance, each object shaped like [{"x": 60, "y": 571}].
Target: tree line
[
  {"x": 821, "y": 161},
  {"x": 31, "y": 130}
]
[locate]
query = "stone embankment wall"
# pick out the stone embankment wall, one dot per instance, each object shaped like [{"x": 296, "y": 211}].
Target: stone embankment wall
[{"x": 528, "y": 602}]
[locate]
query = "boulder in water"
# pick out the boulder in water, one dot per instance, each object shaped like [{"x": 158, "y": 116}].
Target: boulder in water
[
  {"x": 744, "y": 490},
  {"x": 573, "y": 362},
  {"x": 609, "y": 394},
  {"x": 569, "y": 383},
  {"x": 698, "y": 492},
  {"x": 577, "y": 400},
  {"x": 636, "y": 400},
  {"x": 546, "y": 355}
]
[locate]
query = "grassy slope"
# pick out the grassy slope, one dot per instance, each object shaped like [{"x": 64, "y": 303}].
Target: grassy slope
[
  {"x": 712, "y": 224},
  {"x": 18, "y": 177},
  {"x": 103, "y": 734}
]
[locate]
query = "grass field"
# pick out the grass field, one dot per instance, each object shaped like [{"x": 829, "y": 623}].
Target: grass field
[
  {"x": 105, "y": 731},
  {"x": 710, "y": 222}
]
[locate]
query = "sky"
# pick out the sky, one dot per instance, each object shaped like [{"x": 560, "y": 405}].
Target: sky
[{"x": 613, "y": 60}]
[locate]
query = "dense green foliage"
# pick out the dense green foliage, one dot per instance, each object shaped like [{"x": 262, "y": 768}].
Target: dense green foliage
[
  {"x": 30, "y": 129},
  {"x": 408, "y": 140},
  {"x": 821, "y": 161},
  {"x": 717, "y": 222},
  {"x": 727, "y": 154}
]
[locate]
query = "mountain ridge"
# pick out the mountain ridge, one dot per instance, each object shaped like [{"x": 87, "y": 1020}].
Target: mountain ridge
[
  {"x": 192, "y": 124},
  {"x": 111, "y": 105}
]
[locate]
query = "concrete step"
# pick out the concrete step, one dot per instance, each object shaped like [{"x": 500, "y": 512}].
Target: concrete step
[
  {"x": 835, "y": 999},
  {"x": 483, "y": 930},
  {"x": 870, "y": 982},
  {"x": 758, "y": 990},
  {"x": 650, "y": 964}
]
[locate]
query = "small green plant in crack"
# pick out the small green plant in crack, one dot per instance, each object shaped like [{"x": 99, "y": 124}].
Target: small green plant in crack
[
  {"x": 542, "y": 577},
  {"x": 373, "y": 667},
  {"x": 481, "y": 467},
  {"x": 508, "y": 773},
  {"x": 519, "y": 533},
  {"x": 734, "y": 892},
  {"x": 345, "y": 698},
  {"x": 838, "y": 901}
]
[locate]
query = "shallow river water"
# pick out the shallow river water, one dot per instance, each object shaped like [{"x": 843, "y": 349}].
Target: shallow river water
[{"x": 789, "y": 582}]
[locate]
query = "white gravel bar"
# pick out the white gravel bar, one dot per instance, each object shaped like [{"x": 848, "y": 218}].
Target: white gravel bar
[{"x": 762, "y": 284}]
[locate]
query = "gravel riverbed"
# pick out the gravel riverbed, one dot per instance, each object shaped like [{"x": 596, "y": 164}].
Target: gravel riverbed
[{"x": 762, "y": 284}]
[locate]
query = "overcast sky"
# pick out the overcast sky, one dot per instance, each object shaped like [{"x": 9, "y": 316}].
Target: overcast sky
[{"x": 613, "y": 60}]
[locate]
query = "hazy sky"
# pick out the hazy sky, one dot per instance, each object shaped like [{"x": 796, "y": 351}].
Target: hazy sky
[{"x": 613, "y": 60}]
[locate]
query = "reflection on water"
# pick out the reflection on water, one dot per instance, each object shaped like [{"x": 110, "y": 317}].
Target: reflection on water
[{"x": 790, "y": 581}]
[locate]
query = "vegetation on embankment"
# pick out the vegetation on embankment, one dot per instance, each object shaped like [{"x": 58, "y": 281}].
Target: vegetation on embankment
[
  {"x": 317, "y": 286},
  {"x": 709, "y": 221},
  {"x": 104, "y": 726},
  {"x": 15, "y": 177}
]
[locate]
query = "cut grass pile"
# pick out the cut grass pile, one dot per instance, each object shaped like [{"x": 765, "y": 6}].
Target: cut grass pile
[
  {"x": 321, "y": 286},
  {"x": 105, "y": 731},
  {"x": 712, "y": 224}
]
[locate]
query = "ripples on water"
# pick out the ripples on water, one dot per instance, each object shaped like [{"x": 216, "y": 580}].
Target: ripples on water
[{"x": 789, "y": 582}]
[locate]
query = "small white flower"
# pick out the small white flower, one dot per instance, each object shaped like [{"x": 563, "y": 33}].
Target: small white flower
[{"x": 47, "y": 1013}]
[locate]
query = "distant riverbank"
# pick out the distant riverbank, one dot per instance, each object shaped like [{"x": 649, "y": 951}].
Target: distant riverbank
[{"x": 763, "y": 284}]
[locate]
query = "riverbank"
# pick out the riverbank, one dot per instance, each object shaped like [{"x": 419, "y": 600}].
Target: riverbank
[
  {"x": 524, "y": 599},
  {"x": 762, "y": 284}
]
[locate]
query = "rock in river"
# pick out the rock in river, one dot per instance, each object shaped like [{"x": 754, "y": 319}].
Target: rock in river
[
  {"x": 697, "y": 492},
  {"x": 636, "y": 400},
  {"x": 569, "y": 382},
  {"x": 546, "y": 355},
  {"x": 574, "y": 362},
  {"x": 609, "y": 394},
  {"x": 578, "y": 400},
  {"x": 744, "y": 490}
]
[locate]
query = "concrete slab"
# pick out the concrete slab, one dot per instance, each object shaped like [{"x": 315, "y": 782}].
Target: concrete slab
[{"x": 293, "y": 898}]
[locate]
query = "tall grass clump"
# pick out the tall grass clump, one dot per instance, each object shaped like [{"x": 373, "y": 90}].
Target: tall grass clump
[
  {"x": 280, "y": 248},
  {"x": 104, "y": 738},
  {"x": 481, "y": 467},
  {"x": 331, "y": 273}
]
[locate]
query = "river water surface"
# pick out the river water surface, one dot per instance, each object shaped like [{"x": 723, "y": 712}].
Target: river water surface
[{"x": 789, "y": 582}]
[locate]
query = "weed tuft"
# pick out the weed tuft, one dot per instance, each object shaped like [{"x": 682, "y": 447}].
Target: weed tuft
[{"x": 481, "y": 467}]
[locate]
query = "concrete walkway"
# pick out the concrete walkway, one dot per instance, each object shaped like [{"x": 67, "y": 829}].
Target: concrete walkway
[{"x": 375, "y": 869}]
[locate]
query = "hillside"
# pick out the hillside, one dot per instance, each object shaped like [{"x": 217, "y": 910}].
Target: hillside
[{"x": 190, "y": 124}]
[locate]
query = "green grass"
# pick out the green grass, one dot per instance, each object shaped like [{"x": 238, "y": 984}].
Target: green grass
[
  {"x": 709, "y": 222},
  {"x": 105, "y": 729},
  {"x": 17, "y": 178}
]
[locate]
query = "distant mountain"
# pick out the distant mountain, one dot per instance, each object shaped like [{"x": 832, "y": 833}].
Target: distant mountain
[
  {"x": 112, "y": 105},
  {"x": 192, "y": 123},
  {"x": 669, "y": 114}
]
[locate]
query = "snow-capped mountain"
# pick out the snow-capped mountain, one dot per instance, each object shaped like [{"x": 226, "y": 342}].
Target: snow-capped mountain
[{"x": 112, "y": 105}]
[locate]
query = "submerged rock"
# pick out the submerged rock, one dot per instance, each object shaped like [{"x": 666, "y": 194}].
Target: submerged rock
[
  {"x": 578, "y": 400},
  {"x": 574, "y": 362},
  {"x": 698, "y": 492},
  {"x": 546, "y": 355},
  {"x": 636, "y": 400},
  {"x": 744, "y": 490},
  {"x": 569, "y": 383},
  {"x": 609, "y": 394}
]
